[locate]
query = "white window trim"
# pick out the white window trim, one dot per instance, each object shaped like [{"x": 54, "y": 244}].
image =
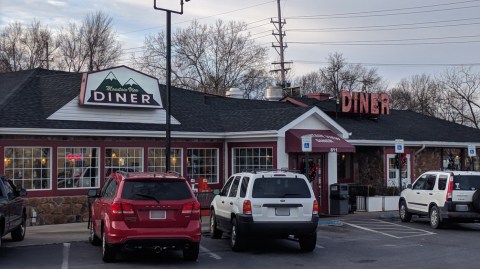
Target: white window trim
[
  {"x": 393, "y": 182},
  {"x": 50, "y": 165},
  {"x": 181, "y": 156},
  {"x": 97, "y": 167},
  {"x": 217, "y": 172}
]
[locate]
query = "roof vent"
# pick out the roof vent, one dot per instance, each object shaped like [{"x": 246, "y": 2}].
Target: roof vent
[
  {"x": 234, "y": 93},
  {"x": 273, "y": 93}
]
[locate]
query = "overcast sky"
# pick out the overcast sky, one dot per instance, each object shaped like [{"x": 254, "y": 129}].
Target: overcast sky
[{"x": 399, "y": 38}]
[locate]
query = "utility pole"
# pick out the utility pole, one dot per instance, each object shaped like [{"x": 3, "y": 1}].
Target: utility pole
[
  {"x": 280, "y": 47},
  {"x": 46, "y": 56}
]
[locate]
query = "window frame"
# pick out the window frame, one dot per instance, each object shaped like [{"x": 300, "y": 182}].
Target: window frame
[
  {"x": 28, "y": 173},
  {"x": 268, "y": 162},
  {"x": 82, "y": 168},
  {"x": 214, "y": 176},
  {"x": 406, "y": 169},
  {"x": 162, "y": 160}
]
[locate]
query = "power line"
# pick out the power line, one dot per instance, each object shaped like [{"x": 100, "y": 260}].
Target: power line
[
  {"x": 384, "y": 10},
  {"x": 394, "y": 64},
  {"x": 383, "y": 15},
  {"x": 368, "y": 42},
  {"x": 366, "y": 28}
]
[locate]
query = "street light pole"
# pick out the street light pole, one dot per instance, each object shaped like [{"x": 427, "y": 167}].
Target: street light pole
[{"x": 168, "y": 77}]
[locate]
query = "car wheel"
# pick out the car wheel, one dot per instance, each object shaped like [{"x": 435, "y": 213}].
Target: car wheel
[
  {"x": 405, "y": 216},
  {"x": 476, "y": 200},
  {"x": 308, "y": 242},
  {"x": 19, "y": 233},
  {"x": 236, "y": 238},
  {"x": 214, "y": 232},
  {"x": 191, "y": 253},
  {"x": 108, "y": 252},
  {"x": 435, "y": 218},
  {"x": 93, "y": 239}
]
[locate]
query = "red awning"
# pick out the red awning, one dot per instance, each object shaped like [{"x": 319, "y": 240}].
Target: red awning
[{"x": 322, "y": 141}]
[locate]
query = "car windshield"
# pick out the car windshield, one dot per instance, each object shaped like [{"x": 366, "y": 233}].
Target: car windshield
[
  {"x": 280, "y": 187},
  {"x": 156, "y": 190},
  {"x": 466, "y": 182}
]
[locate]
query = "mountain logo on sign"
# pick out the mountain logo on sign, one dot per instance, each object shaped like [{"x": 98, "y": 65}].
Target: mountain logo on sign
[{"x": 111, "y": 91}]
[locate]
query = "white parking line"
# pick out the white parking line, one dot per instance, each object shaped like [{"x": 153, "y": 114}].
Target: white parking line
[
  {"x": 318, "y": 246},
  {"x": 66, "y": 251},
  {"x": 389, "y": 229},
  {"x": 211, "y": 254}
]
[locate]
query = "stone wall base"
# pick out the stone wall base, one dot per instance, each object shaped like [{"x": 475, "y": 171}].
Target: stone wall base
[{"x": 56, "y": 210}]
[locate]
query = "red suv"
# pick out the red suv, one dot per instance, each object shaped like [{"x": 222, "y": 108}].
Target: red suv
[{"x": 136, "y": 211}]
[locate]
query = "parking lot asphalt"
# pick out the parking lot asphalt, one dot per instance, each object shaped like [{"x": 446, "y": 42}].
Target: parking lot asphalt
[{"x": 76, "y": 232}]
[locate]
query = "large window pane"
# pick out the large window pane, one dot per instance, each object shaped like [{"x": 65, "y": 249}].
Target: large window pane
[
  {"x": 29, "y": 167},
  {"x": 157, "y": 160},
  {"x": 203, "y": 163},
  {"x": 123, "y": 159},
  {"x": 245, "y": 159},
  {"x": 78, "y": 168}
]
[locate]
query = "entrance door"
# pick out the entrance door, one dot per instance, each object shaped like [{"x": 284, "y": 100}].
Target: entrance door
[{"x": 317, "y": 177}]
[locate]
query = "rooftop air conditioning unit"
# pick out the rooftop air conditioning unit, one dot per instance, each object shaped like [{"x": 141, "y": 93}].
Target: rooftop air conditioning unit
[
  {"x": 234, "y": 93},
  {"x": 273, "y": 93}
]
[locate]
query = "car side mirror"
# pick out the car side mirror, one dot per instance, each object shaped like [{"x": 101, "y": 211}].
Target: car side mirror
[
  {"x": 216, "y": 191},
  {"x": 409, "y": 186},
  {"x": 92, "y": 194}
]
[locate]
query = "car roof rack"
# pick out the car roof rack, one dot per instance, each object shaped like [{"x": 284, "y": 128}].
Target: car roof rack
[{"x": 270, "y": 170}]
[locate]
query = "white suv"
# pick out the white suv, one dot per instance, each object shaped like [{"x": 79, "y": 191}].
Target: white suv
[
  {"x": 443, "y": 196},
  {"x": 277, "y": 204}
]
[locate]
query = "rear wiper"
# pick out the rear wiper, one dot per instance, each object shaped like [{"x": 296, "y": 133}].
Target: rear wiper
[{"x": 148, "y": 196}]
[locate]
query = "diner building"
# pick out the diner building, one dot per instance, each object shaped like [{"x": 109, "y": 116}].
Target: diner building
[{"x": 62, "y": 133}]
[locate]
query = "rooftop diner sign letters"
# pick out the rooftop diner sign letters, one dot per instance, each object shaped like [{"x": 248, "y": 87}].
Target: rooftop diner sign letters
[
  {"x": 365, "y": 103},
  {"x": 120, "y": 86}
]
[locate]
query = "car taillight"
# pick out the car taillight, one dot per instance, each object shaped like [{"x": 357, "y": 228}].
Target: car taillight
[
  {"x": 315, "y": 208},
  {"x": 247, "y": 207},
  {"x": 449, "y": 189},
  {"x": 191, "y": 209},
  {"x": 122, "y": 209}
]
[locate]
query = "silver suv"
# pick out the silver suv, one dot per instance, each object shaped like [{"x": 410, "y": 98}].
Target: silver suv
[
  {"x": 443, "y": 196},
  {"x": 276, "y": 204}
]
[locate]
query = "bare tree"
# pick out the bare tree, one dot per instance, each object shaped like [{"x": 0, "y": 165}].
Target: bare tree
[
  {"x": 310, "y": 83},
  {"x": 419, "y": 93},
  {"x": 71, "y": 53},
  {"x": 463, "y": 88},
  {"x": 89, "y": 47},
  {"x": 206, "y": 58},
  {"x": 102, "y": 48},
  {"x": 25, "y": 47},
  {"x": 12, "y": 54},
  {"x": 39, "y": 44},
  {"x": 340, "y": 75}
]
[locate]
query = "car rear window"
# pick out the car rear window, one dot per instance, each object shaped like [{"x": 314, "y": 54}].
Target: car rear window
[
  {"x": 284, "y": 187},
  {"x": 466, "y": 182},
  {"x": 156, "y": 190}
]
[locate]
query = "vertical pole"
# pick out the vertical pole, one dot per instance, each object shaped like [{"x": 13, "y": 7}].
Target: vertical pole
[
  {"x": 307, "y": 166},
  {"x": 399, "y": 156},
  {"x": 282, "y": 61},
  {"x": 169, "y": 74},
  {"x": 48, "y": 66}
]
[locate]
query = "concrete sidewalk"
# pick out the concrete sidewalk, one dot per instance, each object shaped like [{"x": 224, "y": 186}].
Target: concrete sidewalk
[{"x": 78, "y": 232}]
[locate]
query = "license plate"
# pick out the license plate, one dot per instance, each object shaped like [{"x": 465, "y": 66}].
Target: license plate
[
  {"x": 282, "y": 211},
  {"x": 157, "y": 214}
]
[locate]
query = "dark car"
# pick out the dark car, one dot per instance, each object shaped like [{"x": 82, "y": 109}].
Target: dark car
[
  {"x": 140, "y": 211},
  {"x": 13, "y": 215}
]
